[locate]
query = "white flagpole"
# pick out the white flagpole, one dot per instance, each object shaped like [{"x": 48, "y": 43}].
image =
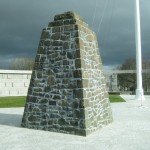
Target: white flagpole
[{"x": 139, "y": 90}]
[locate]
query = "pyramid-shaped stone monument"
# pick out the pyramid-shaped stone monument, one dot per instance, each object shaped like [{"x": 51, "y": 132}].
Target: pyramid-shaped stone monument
[{"x": 67, "y": 91}]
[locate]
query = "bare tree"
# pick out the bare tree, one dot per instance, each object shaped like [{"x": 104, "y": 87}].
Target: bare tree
[
  {"x": 146, "y": 76},
  {"x": 23, "y": 63},
  {"x": 129, "y": 80}
]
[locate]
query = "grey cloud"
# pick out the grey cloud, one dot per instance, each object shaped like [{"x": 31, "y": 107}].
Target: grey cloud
[{"x": 22, "y": 22}]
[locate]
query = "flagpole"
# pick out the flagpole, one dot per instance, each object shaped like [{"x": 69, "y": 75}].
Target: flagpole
[{"x": 139, "y": 90}]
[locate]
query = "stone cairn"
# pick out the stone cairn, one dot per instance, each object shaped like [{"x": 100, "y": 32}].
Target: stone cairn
[{"x": 67, "y": 91}]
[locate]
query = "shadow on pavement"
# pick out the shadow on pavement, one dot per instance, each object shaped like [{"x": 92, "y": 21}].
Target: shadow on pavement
[{"x": 10, "y": 119}]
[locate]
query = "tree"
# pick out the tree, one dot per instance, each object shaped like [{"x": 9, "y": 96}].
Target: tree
[
  {"x": 146, "y": 76},
  {"x": 128, "y": 81},
  {"x": 24, "y": 63}
]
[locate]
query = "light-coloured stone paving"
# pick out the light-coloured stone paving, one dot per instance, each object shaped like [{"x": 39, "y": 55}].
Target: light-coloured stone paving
[{"x": 129, "y": 131}]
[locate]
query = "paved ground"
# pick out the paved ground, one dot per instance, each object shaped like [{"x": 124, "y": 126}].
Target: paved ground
[{"x": 129, "y": 131}]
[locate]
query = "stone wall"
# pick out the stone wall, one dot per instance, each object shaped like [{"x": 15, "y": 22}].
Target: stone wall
[
  {"x": 67, "y": 91},
  {"x": 14, "y": 83}
]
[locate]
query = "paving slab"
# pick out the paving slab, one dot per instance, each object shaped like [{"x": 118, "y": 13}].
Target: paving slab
[{"x": 129, "y": 131}]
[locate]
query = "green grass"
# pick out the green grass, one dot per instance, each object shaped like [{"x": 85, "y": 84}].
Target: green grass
[
  {"x": 19, "y": 101},
  {"x": 12, "y": 101},
  {"x": 116, "y": 98}
]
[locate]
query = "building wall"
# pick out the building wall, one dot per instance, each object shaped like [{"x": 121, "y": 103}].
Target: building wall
[{"x": 14, "y": 82}]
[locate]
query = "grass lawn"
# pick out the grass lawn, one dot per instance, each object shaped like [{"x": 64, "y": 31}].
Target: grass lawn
[
  {"x": 19, "y": 101},
  {"x": 116, "y": 98},
  {"x": 12, "y": 101}
]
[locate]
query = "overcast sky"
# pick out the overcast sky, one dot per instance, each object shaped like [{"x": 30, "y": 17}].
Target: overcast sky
[{"x": 21, "y": 23}]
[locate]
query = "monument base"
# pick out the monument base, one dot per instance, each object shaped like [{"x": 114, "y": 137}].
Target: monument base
[{"x": 139, "y": 94}]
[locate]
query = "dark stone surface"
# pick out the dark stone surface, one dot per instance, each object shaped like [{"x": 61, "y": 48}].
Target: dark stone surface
[
  {"x": 67, "y": 91},
  {"x": 52, "y": 102}
]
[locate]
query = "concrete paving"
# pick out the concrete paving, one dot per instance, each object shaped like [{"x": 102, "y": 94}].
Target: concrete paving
[{"x": 129, "y": 131}]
